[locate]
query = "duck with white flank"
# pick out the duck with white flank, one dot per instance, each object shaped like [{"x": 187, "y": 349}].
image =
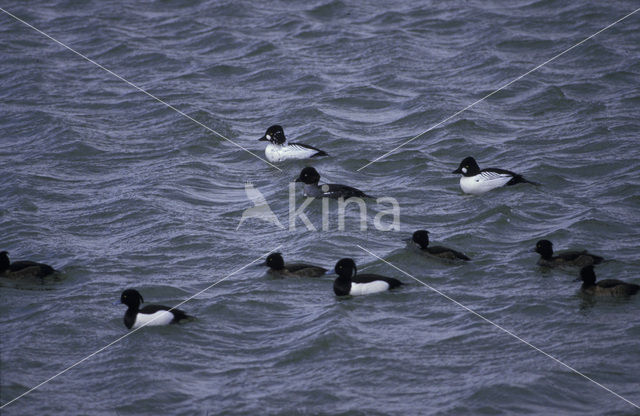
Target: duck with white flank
[
  {"x": 607, "y": 287},
  {"x": 564, "y": 258},
  {"x": 421, "y": 238},
  {"x": 475, "y": 181},
  {"x": 276, "y": 265},
  {"x": 152, "y": 315},
  {"x": 279, "y": 149},
  {"x": 310, "y": 177},
  {"x": 23, "y": 269},
  {"x": 349, "y": 282}
]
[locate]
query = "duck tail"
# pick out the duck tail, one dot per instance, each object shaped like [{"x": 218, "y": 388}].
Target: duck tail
[{"x": 522, "y": 179}]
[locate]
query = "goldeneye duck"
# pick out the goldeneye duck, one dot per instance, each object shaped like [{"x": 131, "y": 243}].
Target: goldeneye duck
[
  {"x": 278, "y": 149},
  {"x": 421, "y": 238},
  {"x": 152, "y": 315},
  {"x": 610, "y": 287},
  {"x": 310, "y": 177},
  {"x": 349, "y": 282},
  {"x": 24, "y": 269},
  {"x": 475, "y": 181},
  {"x": 277, "y": 265},
  {"x": 565, "y": 258}
]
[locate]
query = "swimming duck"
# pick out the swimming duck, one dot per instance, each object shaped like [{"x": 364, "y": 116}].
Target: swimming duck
[
  {"x": 421, "y": 238},
  {"x": 565, "y": 258},
  {"x": 310, "y": 177},
  {"x": 23, "y": 269},
  {"x": 152, "y": 315},
  {"x": 610, "y": 287},
  {"x": 277, "y": 265},
  {"x": 279, "y": 149},
  {"x": 475, "y": 181},
  {"x": 349, "y": 282}
]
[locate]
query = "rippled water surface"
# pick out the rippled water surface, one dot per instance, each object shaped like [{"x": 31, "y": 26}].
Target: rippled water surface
[{"x": 116, "y": 190}]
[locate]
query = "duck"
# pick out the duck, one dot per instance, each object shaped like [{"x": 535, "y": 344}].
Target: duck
[
  {"x": 310, "y": 177},
  {"x": 150, "y": 315},
  {"x": 276, "y": 264},
  {"x": 610, "y": 287},
  {"x": 23, "y": 269},
  {"x": 565, "y": 258},
  {"x": 279, "y": 149},
  {"x": 475, "y": 181},
  {"x": 350, "y": 283},
  {"x": 421, "y": 238}
]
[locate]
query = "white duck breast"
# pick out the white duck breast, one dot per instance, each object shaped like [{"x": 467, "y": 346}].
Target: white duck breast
[
  {"x": 278, "y": 153},
  {"x": 358, "y": 289},
  {"x": 484, "y": 182},
  {"x": 163, "y": 318}
]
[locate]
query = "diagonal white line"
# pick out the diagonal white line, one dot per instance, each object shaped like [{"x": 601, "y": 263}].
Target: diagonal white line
[
  {"x": 182, "y": 113},
  {"x": 499, "y": 327},
  {"x": 499, "y": 89},
  {"x": 135, "y": 330}
]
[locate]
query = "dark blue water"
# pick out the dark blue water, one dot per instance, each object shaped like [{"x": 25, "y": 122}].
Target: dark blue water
[{"x": 116, "y": 190}]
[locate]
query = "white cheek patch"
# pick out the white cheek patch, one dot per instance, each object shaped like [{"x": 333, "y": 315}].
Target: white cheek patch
[
  {"x": 464, "y": 170},
  {"x": 268, "y": 137}
]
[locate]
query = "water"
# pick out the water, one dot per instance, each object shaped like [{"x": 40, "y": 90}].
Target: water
[{"x": 118, "y": 191}]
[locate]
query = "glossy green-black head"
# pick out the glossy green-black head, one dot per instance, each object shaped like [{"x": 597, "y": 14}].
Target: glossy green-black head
[
  {"x": 587, "y": 275},
  {"x": 544, "y": 248},
  {"x": 421, "y": 238},
  {"x": 274, "y": 134},
  {"x": 132, "y": 298},
  {"x": 309, "y": 176},
  {"x": 468, "y": 167},
  {"x": 275, "y": 261},
  {"x": 346, "y": 268},
  {"x": 4, "y": 261}
]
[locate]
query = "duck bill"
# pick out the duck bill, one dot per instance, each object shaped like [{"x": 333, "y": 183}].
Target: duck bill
[
  {"x": 457, "y": 171},
  {"x": 298, "y": 179},
  {"x": 263, "y": 139}
]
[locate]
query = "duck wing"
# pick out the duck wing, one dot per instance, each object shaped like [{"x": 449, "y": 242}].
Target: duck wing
[
  {"x": 503, "y": 174},
  {"x": 570, "y": 254},
  {"x": 574, "y": 255},
  {"x": 19, "y": 265},
  {"x": 337, "y": 191},
  {"x": 27, "y": 268},
  {"x": 447, "y": 253},
  {"x": 608, "y": 283},
  {"x": 303, "y": 146},
  {"x": 618, "y": 287},
  {"x": 306, "y": 270}
]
